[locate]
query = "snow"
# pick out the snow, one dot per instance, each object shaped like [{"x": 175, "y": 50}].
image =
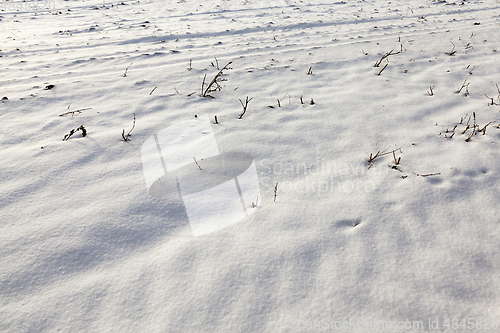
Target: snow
[{"x": 89, "y": 242}]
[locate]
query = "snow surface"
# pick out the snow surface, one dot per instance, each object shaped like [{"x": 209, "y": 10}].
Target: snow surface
[{"x": 85, "y": 248}]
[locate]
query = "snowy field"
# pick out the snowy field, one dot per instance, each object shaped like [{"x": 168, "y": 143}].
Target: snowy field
[{"x": 358, "y": 189}]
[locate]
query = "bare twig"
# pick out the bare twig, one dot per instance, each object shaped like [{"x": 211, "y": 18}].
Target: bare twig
[
  {"x": 196, "y": 163},
  {"x": 396, "y": 161},
  {"x": 309, "y": 72},
  {"x": 463, "y": 118},
  {"x": 203, "y": 83},
  {"x": 190, "y": 67},
  {"x": 282, "y": 98},
  {"x": 492, "y": 101},
  {"x": 127, "y": 137},
  {"x": 256, "y": 201},
  {"x": 378, "y": 154},
  {"x": 471, "y": 134},
  {"x": 484, "y": 128},
  {"x": 383, "y": 68},
  {"x": 371, "y": 158},
  {"x": 466, "y": 128},
  {"x": 126, "y": 69},
  {"x": 473, "y": 68},
  {"x": 377, "y": 64},
  {"x": 474, "y": 128},
  {"x": 73, "y": 131},
  {"x": 468, "y": 120},
  {"x": 275, "y": 191},
  {"x": 430, "y": 92},
  {"x": 452, "y": 52},
  {"x": 154, "y": 90},
  {"x": 244, "y": 107},
  {"x": 464, "y": 85},
  {"x": 73, "y": 112},
  {"x": 214, "y": 84}
]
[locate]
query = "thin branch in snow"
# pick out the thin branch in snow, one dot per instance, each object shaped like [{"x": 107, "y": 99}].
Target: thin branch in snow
[
  {"x": 244, "y": 107},
  {"x": 214, "y": 84},
  {"x": 196, "y": 163},
  {"x": 126, "y": 69},
  {"x": 383, "y": 68},
  {"x": 73, "y": 112},
  {"x": 453, "y": 51},
  {"x": 275, "y": 191},
  {"x": 73, "y": 131},
  {"x": 127, "y": 137}
]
